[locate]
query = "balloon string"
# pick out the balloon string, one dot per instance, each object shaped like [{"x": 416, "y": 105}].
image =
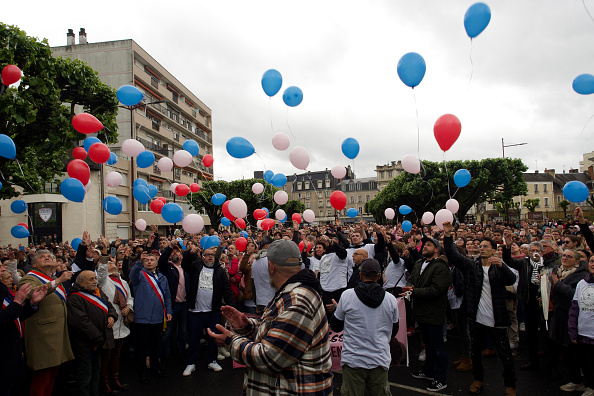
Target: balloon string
[
  {"x": 289, "y": 126},
  {"x": 447, "y": 175},
  {"x": 456, "y": 192},
  {"x": 587, "y": 122},
  {"x": 418, "y": 129},
  {"x": 270, "y": 113},
  {"x": 22, "y": 173},
  {"x": 586, "y": 8},
  {"x": 471, "y": 65},
  {"x": 31, "y": 221}
]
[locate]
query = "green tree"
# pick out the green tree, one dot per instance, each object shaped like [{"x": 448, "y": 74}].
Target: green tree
[
  {"x": 493, "y": 180},
  {"x": 38, "y": 113},
  {"x": 564, "y": 205},
  {"x": 201, "y": 201},
  {"x": 531, "y": 204}
]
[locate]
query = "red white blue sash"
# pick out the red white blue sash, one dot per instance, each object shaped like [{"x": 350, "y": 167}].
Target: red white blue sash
[
  {"x": 119, "y": 286},
  {"x": 153, "y": 282},
  {"x": 93, "y": 299},
  {"x": 17, "y": 321},
  {"x": 46, "y": 279}
]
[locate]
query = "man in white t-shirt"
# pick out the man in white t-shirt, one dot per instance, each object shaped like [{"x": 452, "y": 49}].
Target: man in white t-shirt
[
  {"x": 264, "y": 290},
  {"x": 369, "y": 318}
]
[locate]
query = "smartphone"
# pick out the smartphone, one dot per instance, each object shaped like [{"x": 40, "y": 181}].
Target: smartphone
[
  {"x": 113, "y": 251},
  {"x": 103, "y": 259}
]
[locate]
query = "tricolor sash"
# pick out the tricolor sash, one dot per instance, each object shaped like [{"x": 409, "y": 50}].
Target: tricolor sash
[
  {"x": 17, "y": 321},
  {"x": 156, "y": 288},
  {"x": 46, "y": 279},
  {"x": 119, "y": 286},
  {"x": 93, "y": 299}
]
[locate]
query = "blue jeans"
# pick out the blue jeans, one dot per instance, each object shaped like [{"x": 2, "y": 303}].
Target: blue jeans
[
  {"x": 198, "y": 322},
  {"x": 179, "y": 322},
  {"x": 436, "y": 363}
]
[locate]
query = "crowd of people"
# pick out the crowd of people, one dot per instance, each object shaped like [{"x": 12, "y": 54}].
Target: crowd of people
[{"x": 271, "y": 304}]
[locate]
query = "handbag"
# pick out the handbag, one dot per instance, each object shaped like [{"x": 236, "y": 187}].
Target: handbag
[{"x": 129, "y": 319}]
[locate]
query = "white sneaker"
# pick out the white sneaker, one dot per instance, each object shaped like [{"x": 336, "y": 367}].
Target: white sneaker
[
  {"x": 522, "y": 327},
  {"x": 588, "y": 392},
  {"x": 190, "y": 368},
  {"x": 571, "y": 387},
  {"x": 513, "y": 345},
  {"x": 220, "y": 357},
  {"x": 214, "y": 366},
  {"x": 223, "y": 351},
  {"x": 422, "y": 356}
]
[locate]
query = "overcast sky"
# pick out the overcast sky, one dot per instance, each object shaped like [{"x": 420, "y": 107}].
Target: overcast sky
[{"x": 343, "y": 55}]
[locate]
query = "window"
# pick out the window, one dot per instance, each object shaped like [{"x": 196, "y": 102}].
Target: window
[
  {"x": 359, "y": 199},
  {"x": 176, "y": 135},
  {"x": 328, "y": 193},
  {"x": 124, "y": 200},
  {"x": 319, "y": 184},
  {"x": 536, "y": 189},
  {"x": 367, "y": 198},
  {"x": 390, "y": 174},
  {"x": 320, "y": 203},
  {"x": 306, "y": 185},
  {"x": 328, "y": 204},
  {"x": 352, "y": 199},
  {"x": 544, "y": 188},
  {"x": 321, "y": 213},
  {"x": 142, "y": 207},
  {"x": 124, "y": 179},
  {"x": 177, "y": 172},
  {"x": 329, "y": 212},
  {"x": 546, "y": 201},
  {"x": 299, "y": 195},
  {"x": 307, "y": 194},
  {"x": 307, "y": 205},
  {"x": 175, "y": 97},
  {"x": 327, "y": 183},
  {"x": 558, "y": 198},
  {"x": 360, "y": 209},
  {"x": 299, "y": 187},
  {"x": 155, "y": 82}
]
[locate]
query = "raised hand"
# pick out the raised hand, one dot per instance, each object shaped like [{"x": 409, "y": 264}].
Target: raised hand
[
  {"x": 237, "y": 319},
  {"x": 21, "y": 295},
  {"x": 579, "y": 215},
  {"x": 38, "y": 294}
]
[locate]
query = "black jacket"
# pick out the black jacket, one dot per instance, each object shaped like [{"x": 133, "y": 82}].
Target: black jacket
[
  {"x": 525, "y": 269},
  {"x": 193, "y": 264},
  {"x": 499, "y": 277},
  {"x": 167, "y": 268},
  {"x": 430, "y": 293}
]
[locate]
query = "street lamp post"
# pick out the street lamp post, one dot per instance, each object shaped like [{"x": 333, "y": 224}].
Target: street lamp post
[{"x": 503, "y": 146}]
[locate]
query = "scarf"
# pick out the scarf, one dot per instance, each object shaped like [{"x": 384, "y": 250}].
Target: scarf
[
  {"x": 536, "y": 267},
  {"x": 564, "y": 273}
]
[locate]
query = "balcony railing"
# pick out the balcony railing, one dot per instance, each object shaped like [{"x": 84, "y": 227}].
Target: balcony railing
[{"x": 153, "y": 147}]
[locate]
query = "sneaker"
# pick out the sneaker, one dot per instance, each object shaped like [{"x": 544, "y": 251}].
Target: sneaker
[
  {"x": 422, "y": 356},
  {"x": 190, "y": 368},
  {"x": 223, "y": 351},
  {"x": 220, "y": 357},
  {"x": 522, "y": 327},
  {"x": 422, "y": 375},
  {"x": 436, "y": 386},
  {"x": 571, "y": 387},
  {"x": 445, "y": 339},
  {"x": 588, "y": 392},
  {"x": 214, "y": 366}
]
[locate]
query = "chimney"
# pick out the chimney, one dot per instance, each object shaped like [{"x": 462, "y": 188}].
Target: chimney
[
  {"x": 82, "y": 36},
  {"x": 550, "y": 172},
  {"x": 536, "y": 171},
  {"x": 70, "y": 37}
]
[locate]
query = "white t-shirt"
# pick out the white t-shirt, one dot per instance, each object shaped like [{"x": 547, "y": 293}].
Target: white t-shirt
[
  {"x": 314, "y": 264},
  {"x": 584, "y": 294},
  {"x": 485, "y": 314},
  {"x": 367, "y": 331},
  {"x": 394, "y": 272},
  {"x": 204, "y": 293},
  {"x": 370, "y": 247},
  {"x": 333, "y": 272},
  {"x": 264, "y": 292}
]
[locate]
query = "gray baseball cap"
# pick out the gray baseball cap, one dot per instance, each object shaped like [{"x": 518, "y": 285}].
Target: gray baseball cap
[{"x": 283, "y": 252}]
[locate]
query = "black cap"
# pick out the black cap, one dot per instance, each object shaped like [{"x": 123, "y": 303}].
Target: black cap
[{"x": 370, "y": 267}]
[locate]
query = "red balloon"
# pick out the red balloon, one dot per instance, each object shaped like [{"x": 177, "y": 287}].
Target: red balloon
[
  {"x": 240, "y": 223},
  {"x": 182, "y": 190},
  {"x": 260, "y": 214},
  {"x": 194, "y": 187},
  {"x": 301, "y": 246},
  {"x": 99, "y": 153},
  {"x": 267, "y": 224},
  {"x": 157, "y": 205},
  {"x": 24, "y": 225},
  {"x": 162, "y": 199},
  {"x": 447, "y": 129},
  {"x": 207, "y": 160},
  {"x": 228, "y": 214},
  {"x": 79, "y": 153},
  {"x": 338, "y": 200},
  {"x": 78, "y": 169},
  {"x": 241, "y": 244},
  {"x": 86, "y": 123},
  {"x": 11, "y": 74},
  {"x": 297, "y": 217}
]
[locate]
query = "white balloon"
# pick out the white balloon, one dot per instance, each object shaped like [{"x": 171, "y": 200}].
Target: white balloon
[
  {"x": 452, "y": 205},
  {"x": 182, "y": 158},
  {"x": 259, "y": 224},
  {"x": 257, "y": 188},
  {"x": 281, "y": 141},
  {"x": 427, "y": 218},
  {"x": 140, "y": 224},
  {"x": 88, "y": 187},
  {"x": 280, "y": 214},
  {"x": 132, "y": 147},
  {"x": 411, "y": 164},
  {"x": 309, "y": 215},
  {"x": 238, "y": 208},
  {"x": 338, "y": 171},
  {"x": 442, "y": 216},
  {"x": 281, "y": 197},
  {"x": 299, "y": 158},
  {"x": 389, "y": 213},
  {"x": 165, "y": 164},
  {"x": 193, "y": 223},
  {"x": 173, "y": 187},
  {"x": 113, "y": 179}
]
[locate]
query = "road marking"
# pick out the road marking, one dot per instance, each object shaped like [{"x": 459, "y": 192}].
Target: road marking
[{"x": 412, "y": 388}]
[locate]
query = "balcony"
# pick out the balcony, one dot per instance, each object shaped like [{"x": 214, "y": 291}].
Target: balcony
[{"x": 153, "y": 147}]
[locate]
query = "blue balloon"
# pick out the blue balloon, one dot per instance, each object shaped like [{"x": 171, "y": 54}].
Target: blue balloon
[
  {"x": 406, "y": 226},
  {"x": 204, "y": 242},
  {"x": 73, "y": 190},
  {"x": 576, "y": 191},
  {"x": 153, "y": 190},
  {"x": 0, "y": 184},
  {"x": 181, "y": 243},
  {"x": 584, "y": 84},
  {"x": 278, "y": 180},
  {"x": 476, "y": 19},
  {"x": 129, "y": 95},
  {"x": 243, "y": 234},
  {"x": 352, "y": 212},
  {"x": 145, "y": 159},
  {"x": 140, "y": 182},
  {"x": 213, "y": 241},
  {"x": 113, "y": 158},
  {"x": 172, "y": 213},
  {"x": 218, "y": 199},
  {"x": 267, "y": 212},
  {"x": 88, "y": 142},
  {"x": 141, "y": 194},
  {"x": 350, "y": 148},
  {"x": 18, "y": 231},
  {"x": 293, "y": 96},
  {"x": 411, "y": 69},
  {"x": 7, "y": 147},
  {"x": 239, "y": 147},
  {"x": 75, "y": 242},
  {"x": 285, "y": 219},
  {"x": 272, "y": 82},
  {"x": 191, "y": 147},
  {"x": 18, "y": 206},
  {"x": 112, "y": 205},
  {"x": 462, "y": 177},
  {"x": 268, "y": 175},
  {"x": 404, "y": 209},
  {"x": 226, "y": 222}
]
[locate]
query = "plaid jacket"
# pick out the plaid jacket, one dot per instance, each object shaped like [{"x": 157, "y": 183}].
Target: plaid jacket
[{"x": 290, "y": 351}]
